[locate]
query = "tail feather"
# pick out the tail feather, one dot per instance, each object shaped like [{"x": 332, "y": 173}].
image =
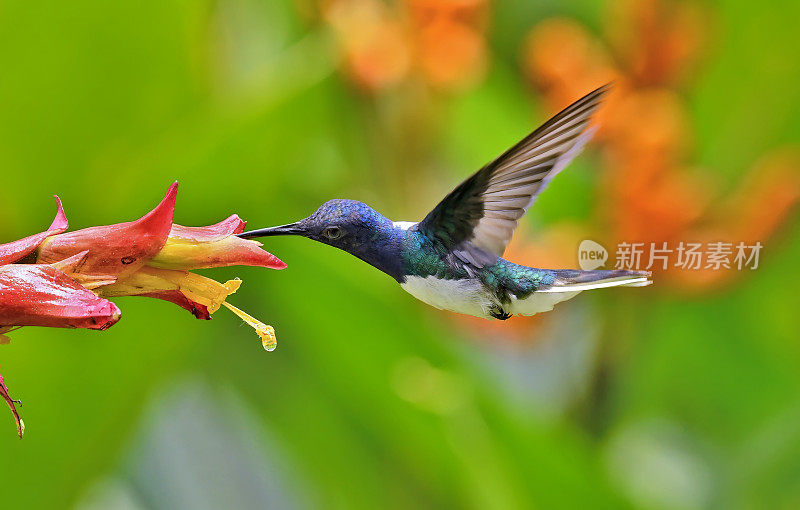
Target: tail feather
[{"x": 572, "y": 280}]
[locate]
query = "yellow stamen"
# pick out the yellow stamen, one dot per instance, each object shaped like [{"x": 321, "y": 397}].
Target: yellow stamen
[
  {"x": 265, "y": 331},
  {"x": 198, "y": 288},
  {"x": 207, "y": 291}
]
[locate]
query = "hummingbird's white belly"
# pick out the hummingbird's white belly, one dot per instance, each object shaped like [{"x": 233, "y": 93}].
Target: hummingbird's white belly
[
  {"x": 471, "y": 298},
  {"x": 462, "y": 296}
]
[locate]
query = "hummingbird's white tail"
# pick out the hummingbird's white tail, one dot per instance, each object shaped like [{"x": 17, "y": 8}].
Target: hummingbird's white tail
[
  {"x": 571, "y": 280},
  {"x": 569, "y": 283}
]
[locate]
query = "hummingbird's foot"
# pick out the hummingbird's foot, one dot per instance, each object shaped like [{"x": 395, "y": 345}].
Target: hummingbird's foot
[{"x": 500, "y": 314}]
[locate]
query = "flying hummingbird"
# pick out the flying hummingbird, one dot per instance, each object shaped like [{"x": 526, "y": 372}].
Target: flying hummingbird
[{"x": 452, "y": 259}]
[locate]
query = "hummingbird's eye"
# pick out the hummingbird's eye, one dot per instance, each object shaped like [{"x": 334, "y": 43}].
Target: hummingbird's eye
[{"x": 333, "y": 232}]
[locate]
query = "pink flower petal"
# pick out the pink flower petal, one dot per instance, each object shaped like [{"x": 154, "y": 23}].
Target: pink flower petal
[
  {"x": 231, "y": 225},
  {"x": 213, "y": 246},
  {"x": 41, "y": 295},
  {"x": 115, "y": 250},
  {"x": 12, "y": 252}
]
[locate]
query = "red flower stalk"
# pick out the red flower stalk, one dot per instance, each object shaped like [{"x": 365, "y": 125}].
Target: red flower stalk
[
  {"x": 12, "y": 405},
  {"x": 42, "y": 295}
]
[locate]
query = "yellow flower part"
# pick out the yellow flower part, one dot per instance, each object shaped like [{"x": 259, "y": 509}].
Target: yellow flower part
[
  {"x": 197, "y": 288},
  {"x": 213, "y": 246},
  {"x": 265, "y": 331}
]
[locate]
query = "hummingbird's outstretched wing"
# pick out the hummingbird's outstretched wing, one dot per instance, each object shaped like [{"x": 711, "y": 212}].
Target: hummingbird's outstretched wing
[{"x": 485, "y": 208}]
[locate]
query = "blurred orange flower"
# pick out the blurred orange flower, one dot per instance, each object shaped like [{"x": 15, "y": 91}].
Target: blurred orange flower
[
  {"x": 440, "y": 41},
  {"x": 652, "y": 193},
  {"x": 649, "y": 192}
]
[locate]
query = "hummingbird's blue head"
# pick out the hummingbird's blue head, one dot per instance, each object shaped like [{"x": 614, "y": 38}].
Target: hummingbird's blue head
[
  {"x": 345, "y": 224},
  {"x": 351, "y": 226}
]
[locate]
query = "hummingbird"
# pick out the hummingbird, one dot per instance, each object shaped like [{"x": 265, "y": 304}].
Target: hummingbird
[{"x": 452, "y": 259}]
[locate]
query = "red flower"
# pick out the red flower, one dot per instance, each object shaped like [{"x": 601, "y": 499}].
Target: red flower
[
  {"x": 152, "y": 257},
  {"x": 44, "y": 295}
]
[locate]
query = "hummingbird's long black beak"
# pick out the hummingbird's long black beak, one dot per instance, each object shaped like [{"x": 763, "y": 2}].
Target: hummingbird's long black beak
[{"x": 290, "y": 229}]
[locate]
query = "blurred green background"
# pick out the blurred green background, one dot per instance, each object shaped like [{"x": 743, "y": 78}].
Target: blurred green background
[{"x": 666, "y": 397}]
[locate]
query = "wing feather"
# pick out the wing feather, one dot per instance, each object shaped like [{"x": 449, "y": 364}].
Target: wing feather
[{"x": 484, "y": 210}]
